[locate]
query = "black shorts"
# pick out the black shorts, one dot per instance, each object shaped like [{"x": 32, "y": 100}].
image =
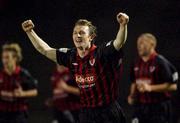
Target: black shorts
[
  {"x": 13, "y": 117},
  {"x": 153, "y": 113},
  {"x": 66, "y": 116},
  {"x": 107, "y": 114}
]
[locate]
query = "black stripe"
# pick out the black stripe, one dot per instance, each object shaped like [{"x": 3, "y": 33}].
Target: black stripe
[
  {"x": 100, "y": 81},
  {"x": 109, "y": 79},
  {"x": 85, "y": 68}
]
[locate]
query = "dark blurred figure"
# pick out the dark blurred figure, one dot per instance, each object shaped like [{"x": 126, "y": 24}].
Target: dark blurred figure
[
  {"x": 65, "y": 101},
  {"x": 16, "y": 86},
  {"x": 152, "y": 77}
]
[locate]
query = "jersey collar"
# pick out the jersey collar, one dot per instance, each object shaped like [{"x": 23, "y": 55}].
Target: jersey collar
[
  {"x": 93, "y": 47},
  {"x": 152, "y": 56},
  {"x": 17, "y": 70}
]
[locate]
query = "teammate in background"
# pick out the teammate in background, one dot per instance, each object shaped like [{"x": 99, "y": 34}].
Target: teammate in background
[
  {"x": 16, "y": 86},
  {"x": 152, "y": 77},
  {"x": 93, "y": 67},
  {"x": 65, "y": 99}
]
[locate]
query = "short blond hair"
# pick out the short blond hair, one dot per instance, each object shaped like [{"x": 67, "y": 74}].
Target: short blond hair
[
  {"x": 150, "y": 36},
  {"x": 84, "y": 22},
  {"x": 15, "y": 49}
]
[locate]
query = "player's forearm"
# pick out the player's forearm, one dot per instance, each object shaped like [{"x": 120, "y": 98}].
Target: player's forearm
[
  {"x": 161, "y": 87},
  {"x": 6, "y": 93},
  {"x": 37, "y": 42},
  {"x": 172, "y": 87},
  {"x": 30, "y": 93},
  {"x": 58, "y": 91},
  {"x": 121, "y": 37},
  {"x": 73, "y": 90},
  {"x": 132, "y": 89}
]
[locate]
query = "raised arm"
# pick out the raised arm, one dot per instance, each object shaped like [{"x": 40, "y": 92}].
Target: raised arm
[
  {"x": 121, "y": 37},
  {"x": 37, "y": 42}
]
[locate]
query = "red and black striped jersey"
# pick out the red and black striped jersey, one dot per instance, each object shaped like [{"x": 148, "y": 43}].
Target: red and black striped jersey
[
  {"x": 96, "y": 74},
  {"x": 9, "y": 83},
  {"x": 64, "y": 101},
  {"x": 156, "y": 70}
]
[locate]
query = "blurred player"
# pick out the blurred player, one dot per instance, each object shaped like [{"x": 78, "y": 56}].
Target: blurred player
[
  {"x": 93, "y": 68},
  {"x": 65, "y": 100},
  {"x": 152, "y": 78},
  {"x": 16, "y": 86}
]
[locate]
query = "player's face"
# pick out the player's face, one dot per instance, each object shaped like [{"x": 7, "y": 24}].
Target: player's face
[
  {"x": 82, "y": 37},
  {"x": 7, "y": 59},
  {"x": 144, "y": 46}
]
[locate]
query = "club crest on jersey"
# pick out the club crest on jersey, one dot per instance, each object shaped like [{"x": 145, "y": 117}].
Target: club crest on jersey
[
  {"x": 152, "y": 68},
  {"x": 92, "y": 61}
]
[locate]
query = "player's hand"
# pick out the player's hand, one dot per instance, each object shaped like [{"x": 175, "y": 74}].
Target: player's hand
[
  {"x": 19, "y": 92},
  {"x": 63, "y": 85},
  {"x": 131, "y": 100},
  {"x": 122, "y": 19},
  {"x": 144, "y": 87},
  {"x": 27, "y": 25}
]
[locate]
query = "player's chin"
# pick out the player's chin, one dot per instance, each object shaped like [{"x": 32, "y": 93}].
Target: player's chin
[{"x": 78, "y": 44}]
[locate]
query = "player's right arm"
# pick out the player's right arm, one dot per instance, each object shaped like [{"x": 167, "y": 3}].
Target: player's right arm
[{"x": 37, "y": 42}]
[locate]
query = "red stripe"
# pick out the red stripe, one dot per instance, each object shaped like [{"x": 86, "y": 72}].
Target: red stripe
[
  {"x": 146, "y": 71},
  {"x": 83, "y": 89},
  {"x": 90, "y": 89},
  {"x": 142, "y": 95}
]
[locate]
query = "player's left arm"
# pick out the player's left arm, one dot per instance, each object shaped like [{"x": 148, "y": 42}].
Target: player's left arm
[
  {"x": 28, "y": 87},
  {"x": 167, "y": 78},
  {"x": 156, "y": 88},
  {"x": 19, "y": 92},
  {"x": 121, "y": 37}
]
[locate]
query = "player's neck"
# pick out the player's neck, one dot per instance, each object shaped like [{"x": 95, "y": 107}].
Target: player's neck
[
  {"x": 147, "y": 57},
  {"x": 83, "y": 51},
  {"x": 10, "y": 69}
]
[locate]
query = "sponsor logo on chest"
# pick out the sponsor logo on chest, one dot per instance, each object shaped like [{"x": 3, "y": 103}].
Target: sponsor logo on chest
[{"x": 86, "y": 81}]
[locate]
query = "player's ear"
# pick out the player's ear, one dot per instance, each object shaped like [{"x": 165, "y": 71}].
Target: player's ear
[{"x": 92, "y": 36}]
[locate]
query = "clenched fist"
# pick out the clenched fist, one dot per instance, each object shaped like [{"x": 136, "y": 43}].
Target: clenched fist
[
  {"x": 27, "y": 25},
  {"x": 122, "y": 19}
]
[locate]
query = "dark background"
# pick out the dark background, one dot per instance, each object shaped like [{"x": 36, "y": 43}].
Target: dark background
[{"x": 54, "y": 21}]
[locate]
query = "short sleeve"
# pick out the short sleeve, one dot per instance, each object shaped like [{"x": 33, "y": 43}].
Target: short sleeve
[
  {"x": 63, "y": 56},
  {"x": 165, "y": 73},
  {"x": 132, "y": 75},
  {"x": 108, "y": 53},
  {"x": 28, "y": 82},
  {"x": 175, "y": 75}
]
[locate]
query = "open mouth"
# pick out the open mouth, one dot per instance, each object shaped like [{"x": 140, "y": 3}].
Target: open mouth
[{"x": 78, "y": 40}]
